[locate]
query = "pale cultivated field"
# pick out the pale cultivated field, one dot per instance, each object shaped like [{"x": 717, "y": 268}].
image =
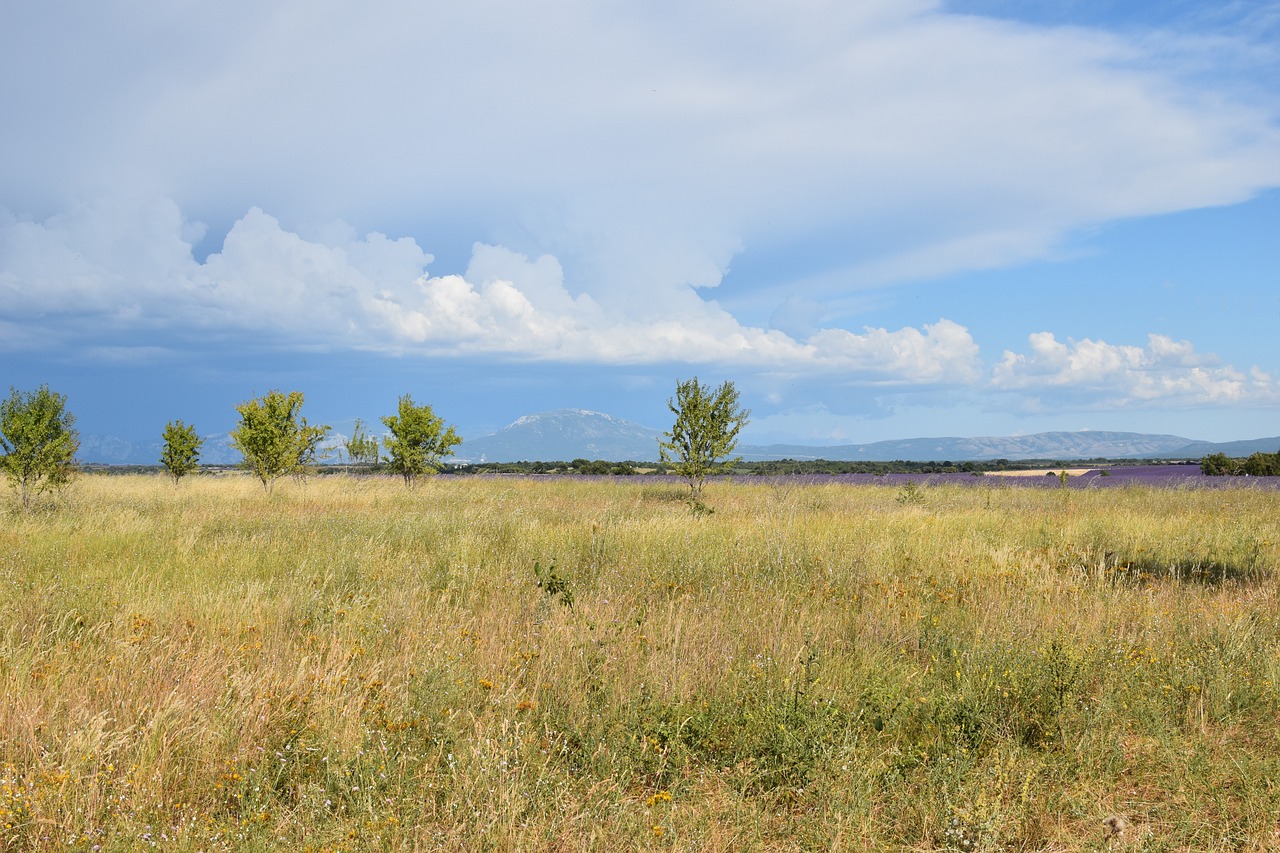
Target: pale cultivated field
[{"x": 1041, "y": 472}]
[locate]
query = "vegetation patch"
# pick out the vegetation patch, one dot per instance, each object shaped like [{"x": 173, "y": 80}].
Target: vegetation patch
[{"x": 562, "y": 663}]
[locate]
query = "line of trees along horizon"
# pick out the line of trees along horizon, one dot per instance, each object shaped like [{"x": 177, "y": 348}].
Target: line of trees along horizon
[
  {"x": 39, "y": 442},
  {"x": 275, "y": 440},
  {"x": 1254, "y": 465},
  {"x": 745, "y": 468}
]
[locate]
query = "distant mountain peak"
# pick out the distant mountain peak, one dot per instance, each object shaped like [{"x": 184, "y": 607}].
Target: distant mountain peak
[
  {"x": 559, "y": 415},
  {"x": 563, "y": 435}
]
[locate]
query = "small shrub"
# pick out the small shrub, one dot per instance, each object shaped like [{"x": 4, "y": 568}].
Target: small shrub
[
  {"x": 699, "y": 508},
  {"x": 554, "y": 584},
  {"x": 910, "y": 495}
]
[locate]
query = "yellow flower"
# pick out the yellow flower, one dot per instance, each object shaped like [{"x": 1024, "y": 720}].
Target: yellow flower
[{"x": 660, "y": 797}]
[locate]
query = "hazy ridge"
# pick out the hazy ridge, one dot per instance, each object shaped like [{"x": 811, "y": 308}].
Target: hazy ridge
[{"x": 567, "y": 434}]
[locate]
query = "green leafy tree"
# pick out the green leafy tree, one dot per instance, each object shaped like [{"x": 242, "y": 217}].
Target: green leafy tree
[
  {"x": 1262, "y": 465},
  {"x": 1219, "y": 465},
  {"x": 309, "y": 450},
  {"x": 1256, "y": 465},
  {"x": 419, "y": 440},
  {"x": 362, "y": 448},
  {"x": 39, "y": 440},
  {"x": 705, "y": 431},
  {"x": 181, "y": 453},
  {"x": 274, "y": 439}
]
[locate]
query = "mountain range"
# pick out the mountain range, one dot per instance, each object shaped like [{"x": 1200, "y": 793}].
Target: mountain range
[{"x": 568, "y": 434}]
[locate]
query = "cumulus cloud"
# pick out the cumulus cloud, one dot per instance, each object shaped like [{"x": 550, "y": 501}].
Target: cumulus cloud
[
  {"x": 943, "y": 352},
  {"x": 1165, "y": 371},
  {"x": 268, "y": 278},
  {"x": 127, "y": 266},
  {"x": 338, "y": 290},
  {"x": 124, "y": 266}
]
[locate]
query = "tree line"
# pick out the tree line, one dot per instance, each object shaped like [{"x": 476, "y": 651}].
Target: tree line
[
  {"x": 40, "y": 442},
  {"x": 1256, "y": 465},
  {"x": 277, "y": 441}
]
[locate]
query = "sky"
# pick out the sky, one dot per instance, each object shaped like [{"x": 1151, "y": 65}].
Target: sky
[{"x": 880, "y": 219}]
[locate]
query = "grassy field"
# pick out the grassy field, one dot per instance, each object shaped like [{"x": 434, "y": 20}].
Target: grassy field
[{"x": 585, "y": 665}]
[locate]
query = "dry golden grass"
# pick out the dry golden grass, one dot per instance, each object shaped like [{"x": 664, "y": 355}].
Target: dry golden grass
[{"x": 349, "y": 665}]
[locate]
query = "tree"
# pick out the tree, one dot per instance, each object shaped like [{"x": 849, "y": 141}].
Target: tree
[
  {"x": 1219, "y": 465},
  {"x": 181, "y": 453},
  {"x": 362, "y": 448},
  {"x": 274, "y": 440},
  {"x": 418, "y": 442},
  {"x": 706, "y": 429},
  {"x": 309, "y": 439},
  {"x": 1256, "y": 465},
  {"x": 1262, "y": 465},
  {"x": 39, "y": 441}
]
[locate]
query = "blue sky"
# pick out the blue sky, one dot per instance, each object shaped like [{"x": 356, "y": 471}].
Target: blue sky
[{"x": 881, "y": 218}]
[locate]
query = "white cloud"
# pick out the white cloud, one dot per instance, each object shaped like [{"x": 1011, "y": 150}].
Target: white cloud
[
  {"x": 1165, "y": 371},
  {"x": 268, "y": 278},
  {"x": 507, "y": 304},
  {"x": 943, "y": 352},
  {"x": 642, "y": 146},
  {"x": 338, "y": 290},
  {"x": 126, "y": 265},
  {"x": 113, "y": 254}
]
